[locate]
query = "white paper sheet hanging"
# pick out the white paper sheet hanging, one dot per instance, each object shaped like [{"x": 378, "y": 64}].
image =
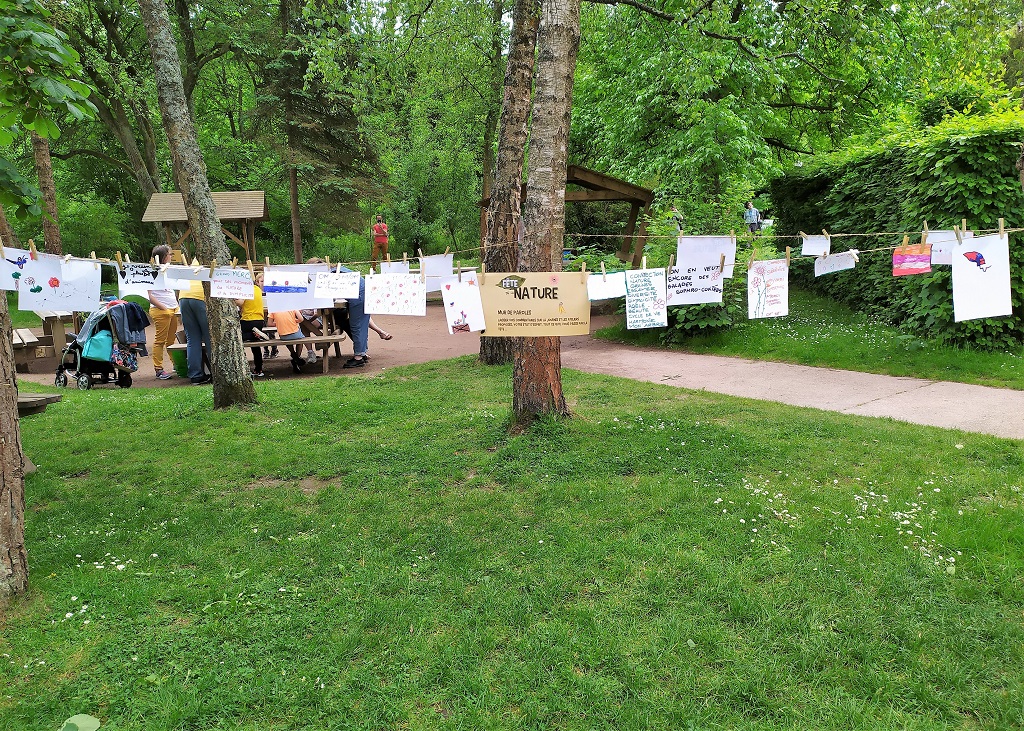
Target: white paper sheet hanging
[
  {"x": 606, "y": 286},
  {"x": 695, "y": 285},
  {"x": 396, "y": 294},
  {"x": 436, "y": 268},
  {"x": 645, "y": 299},
  {"x": 463, "y": 308},
  {"x": 138, "y": 278},
  {"x": 835, "y": 262},
  {"x": 232, "y": 283},
  {"x": 942, "y": 243},
  {"x": 768, "y": 289},
  {"x": 291, "y": 288},
  {"x": 816, "y": 246},
  {"x": 981, "y": 278},
  {"x": 702, "y": 251},
  {"x": 12, "y": 267}
]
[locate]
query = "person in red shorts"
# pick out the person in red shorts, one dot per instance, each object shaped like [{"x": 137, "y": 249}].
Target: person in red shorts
[{"x": 380, "y": 240}]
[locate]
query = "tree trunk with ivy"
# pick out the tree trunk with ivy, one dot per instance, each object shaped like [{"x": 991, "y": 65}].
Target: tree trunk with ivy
[
  {"x": 503, "y": 212},
  {"x": 44, "y": 172},
  {"x": 537, "y": 365},
  {"x": 13, "y": 558},
  {"x": 232, "y": 383}
]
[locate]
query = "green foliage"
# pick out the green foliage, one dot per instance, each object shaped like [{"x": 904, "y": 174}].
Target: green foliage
[
  {"x": 38, "y": 81},
  {"x": 961, "y": 168}
]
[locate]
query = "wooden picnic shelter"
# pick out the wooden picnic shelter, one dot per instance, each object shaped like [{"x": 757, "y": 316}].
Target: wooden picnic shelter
[
  {"x": 590, "y": 185},
  {"x": 243, "y": 209}
]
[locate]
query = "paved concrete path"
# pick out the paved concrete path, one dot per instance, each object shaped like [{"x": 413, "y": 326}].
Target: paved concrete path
[
  {"x": 981, "y": 409},
  {"x": 421, "y": 339}
]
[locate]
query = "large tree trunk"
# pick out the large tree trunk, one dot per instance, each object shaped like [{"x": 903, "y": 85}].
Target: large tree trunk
[
  {"x": 537, "y": 366},
  {"x": 13, "y": 560},
  {"x": 44, "y": 172},
  {"x": 7, "y": 233},
  {"x": 503, "y": 212},
  {"x": 232, "y": 383}
]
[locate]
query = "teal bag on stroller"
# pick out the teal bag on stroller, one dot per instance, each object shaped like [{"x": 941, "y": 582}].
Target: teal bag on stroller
[{"x": 99, "y": 346}]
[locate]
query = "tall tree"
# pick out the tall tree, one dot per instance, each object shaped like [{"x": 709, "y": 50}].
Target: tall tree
[
  {"x": 537, "y": 366},
  {"x": 232, "y": 383},
  {"x": 44, "y": 172},
  {"x": 504, "y": 209},
  {"x": 39, "y": 74},
  {"x": 6, "y": 232}
]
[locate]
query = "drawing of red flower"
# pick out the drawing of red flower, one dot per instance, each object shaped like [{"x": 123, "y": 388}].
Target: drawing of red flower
[{"x": 54, "y": 282}]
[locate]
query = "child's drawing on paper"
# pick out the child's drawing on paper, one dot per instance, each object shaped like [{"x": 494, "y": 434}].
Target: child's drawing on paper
[
  {"x": 463, "y": 308},
  {"x": 768, "y": 289}
]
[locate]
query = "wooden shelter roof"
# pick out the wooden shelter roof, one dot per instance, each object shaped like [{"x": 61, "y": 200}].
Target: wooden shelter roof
[
  {"x": 241, "y": 205},
  {"x": 599, "y": 187}
]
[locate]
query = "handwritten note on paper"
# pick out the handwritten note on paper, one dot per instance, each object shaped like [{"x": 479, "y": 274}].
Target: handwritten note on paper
[
  {"x": 463, "y": 308},
  {"x": 232, "y": 284},
  {"x": 943, "y": 243},
  {"x": 12, "y": 267},
  {"x": 138, "y": 279},
  {"x": 701, "y": 251},
  {"x": 336, "y": 285},
  {"x": 396, "y": 294},
  {"x": 694, "y": 285},
  {"x": 645, "y": 299},
  {"x": 768, "y": 289},
  {"x": 835, "y": 262},
  {"x": 915, "y": 259},
  {"x": 606, "y": 286},
  {"x": 981, "y": 278}
]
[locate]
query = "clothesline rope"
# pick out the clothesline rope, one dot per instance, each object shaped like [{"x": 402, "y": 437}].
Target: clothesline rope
[{"x": 744, "y": 237}]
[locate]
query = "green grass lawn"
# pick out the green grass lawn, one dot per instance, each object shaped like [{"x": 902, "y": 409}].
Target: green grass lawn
[
  {"x": 21, "y": 318},
  {"x": 379, "y": 553},
  {"x": 822, "y": 332}
]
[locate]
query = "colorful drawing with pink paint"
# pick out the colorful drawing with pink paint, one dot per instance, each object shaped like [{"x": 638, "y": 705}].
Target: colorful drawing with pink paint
[{"x": 915, "y": 259}]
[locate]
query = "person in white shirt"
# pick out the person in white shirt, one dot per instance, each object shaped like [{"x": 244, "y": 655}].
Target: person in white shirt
[{"x": 163, "y": 311}]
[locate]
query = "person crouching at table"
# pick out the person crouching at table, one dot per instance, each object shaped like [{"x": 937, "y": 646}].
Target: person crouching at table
[{"x": 287, "y": 324}]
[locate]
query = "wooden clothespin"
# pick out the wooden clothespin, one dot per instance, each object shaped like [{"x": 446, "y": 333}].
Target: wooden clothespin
[
  {"x": 327, "y": 261},
  {"x": 924, "y": 233},
  {"x": 120, "y": 264},
  {"x": 2, "y": 254},
  {"x": 483, "y": 273},
  {"x": 213, "y": 265},
  {"x": 802, "y": 235},
  {"x": 32, "y": 249},
  {"x": 405, "y": 257},
  {"x": 337, "y": 269},
  {"x": 963, "y": 224},
  {"x": 388, "y": 257},
  {"x": 67, "y": 258},
  {"x": 266, "y": 262},
  {"x": 1002, "y": 227},
  {"x": 252, "y": 272},
  {"x": 583, "y": 271},
  {"x": 96, "y": 264},
  {"x": 828, "y": 238},
  {"x": 906, "y": 240},
  {"x": 234, "y": 262},
  {"x": 753, "y": 255},
  {"x": 643, "y": 262},
  {"x": 854, "y": 253},
  {"x": 721, "y": 264},
  {"x": 604, "y": 273},
  {"x": 732, "y": 235},
  {"x": 458, "y": 268},
  {"x": 671, "y": 262},
  {"x": 446, "y": 250},
  {"x": 152, "y": 261},
  {"x": 959, "y": 236},
  {"x": 789, "y": 254},
  {"x": 127, "y": 259},
  {"x": 419, "y": 252}
]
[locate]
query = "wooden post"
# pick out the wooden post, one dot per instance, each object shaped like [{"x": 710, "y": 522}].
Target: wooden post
[
  {"x": 641, "y": 239},
  {"x": 627, "y": 240}
]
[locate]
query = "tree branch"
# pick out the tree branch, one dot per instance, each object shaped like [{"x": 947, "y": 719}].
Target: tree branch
[
  {"x": 97, "y": 154},
  {"x": 639, "y": 6},
  {"x": 775, "y": 142},
  {"x": 735, "y": 39},
  {"x": 799, "y": 57}
]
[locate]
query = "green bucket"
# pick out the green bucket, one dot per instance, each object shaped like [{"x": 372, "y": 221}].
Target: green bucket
[{"x": 180, "y": 360}]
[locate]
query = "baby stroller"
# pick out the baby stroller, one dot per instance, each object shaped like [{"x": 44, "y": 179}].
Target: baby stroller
[{"x": 105, "y": 350}]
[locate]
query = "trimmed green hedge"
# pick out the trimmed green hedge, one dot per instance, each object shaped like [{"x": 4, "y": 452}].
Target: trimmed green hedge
[{"x": 961, "y": 168}]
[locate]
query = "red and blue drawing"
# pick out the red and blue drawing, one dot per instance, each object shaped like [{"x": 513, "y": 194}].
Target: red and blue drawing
[{"x": 978, "y": 258}]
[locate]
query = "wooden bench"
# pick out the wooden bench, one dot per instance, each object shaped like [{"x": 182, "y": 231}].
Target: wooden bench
[
  {"x": 53, "y": 327},
  {"x": 36, "y": 403},
  {"x": 321, "y": 343},
  {"x": 25, "y": 343}
]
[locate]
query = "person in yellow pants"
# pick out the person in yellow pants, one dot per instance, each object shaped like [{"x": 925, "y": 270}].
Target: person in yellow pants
[{"x": 163, "y": 311}]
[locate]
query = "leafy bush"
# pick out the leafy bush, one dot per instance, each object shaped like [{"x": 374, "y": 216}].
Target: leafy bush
[{"x": 961, "y": 168}]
